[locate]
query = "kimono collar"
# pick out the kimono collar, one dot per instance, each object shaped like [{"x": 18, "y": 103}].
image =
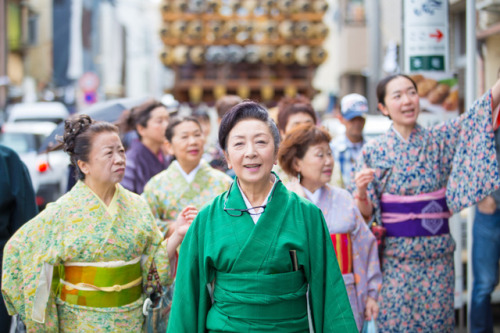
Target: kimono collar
[
  {"x": 415, "y": 135},
  {"x": 255, "y": 217},
  {"x": 188, "y": 177},
  {"x": 313, "y": 197},
  {"x": 112, "y": 209}
]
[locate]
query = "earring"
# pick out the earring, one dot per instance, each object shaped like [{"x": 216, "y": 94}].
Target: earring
[{"x": 298, "y": 176}]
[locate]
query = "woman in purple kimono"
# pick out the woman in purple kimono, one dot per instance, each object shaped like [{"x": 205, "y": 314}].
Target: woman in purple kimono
[
  {"x": 413, "y": 179},
  {"x": 305, "y": 155},
  {"x": 145, "y": 157}
]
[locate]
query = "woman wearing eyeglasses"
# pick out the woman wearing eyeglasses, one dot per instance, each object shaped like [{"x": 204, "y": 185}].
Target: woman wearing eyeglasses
[
  {"x": 250, "y": 256},
  {"x": 305, "y": 155}
]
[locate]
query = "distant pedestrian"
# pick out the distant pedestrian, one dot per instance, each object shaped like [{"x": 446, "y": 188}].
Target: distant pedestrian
[
  {"x": 17, "y": 206},
  {"x": 293, "y": 111},
  {"x": 145, "y": 157},
  {"x": 485, "y": 255},
  {"x": 415, "y": 178},
  {"x": 347, "y": 147}
]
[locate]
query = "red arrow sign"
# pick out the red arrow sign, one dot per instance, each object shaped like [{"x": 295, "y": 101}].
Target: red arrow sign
[{"x": 438, "y": 35}]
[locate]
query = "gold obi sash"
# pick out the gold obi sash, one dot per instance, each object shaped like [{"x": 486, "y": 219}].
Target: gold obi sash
[
  {"x": 102, "y": 285},
  {"x": 343, "y": 249}
]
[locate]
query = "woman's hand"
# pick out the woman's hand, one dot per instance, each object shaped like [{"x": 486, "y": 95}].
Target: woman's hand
[
  {"x": 487, "y": 205},
  {"x": 362, "y": 179},
  {"x": 371, "y": 309},
  {"x": 184, "y": 220},
  {"x": 182, "y": 224}
]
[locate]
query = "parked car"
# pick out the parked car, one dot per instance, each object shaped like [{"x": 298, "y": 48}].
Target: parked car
[
  {"x": 54, "y": 112},
  {"x": 25, "y": 138},
  {"x": 53, "y": 175}
]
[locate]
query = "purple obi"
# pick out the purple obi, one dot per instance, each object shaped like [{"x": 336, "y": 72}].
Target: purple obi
[{"x": 415, "y": 215}]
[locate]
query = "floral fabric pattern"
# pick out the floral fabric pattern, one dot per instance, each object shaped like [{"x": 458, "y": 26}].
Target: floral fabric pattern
[
  {"x": 168, "y": 192},
  {"x": 79, "y": 228},
  {"x": 458, "y": 155}
]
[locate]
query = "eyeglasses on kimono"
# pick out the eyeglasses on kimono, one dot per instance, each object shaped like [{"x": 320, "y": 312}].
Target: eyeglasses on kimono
[{"x": 252, "y": 210}]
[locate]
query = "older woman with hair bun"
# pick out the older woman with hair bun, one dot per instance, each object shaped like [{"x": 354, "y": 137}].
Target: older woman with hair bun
[
  {"x": 305, "y": 155},
  {"x": 80, "y": 265}
]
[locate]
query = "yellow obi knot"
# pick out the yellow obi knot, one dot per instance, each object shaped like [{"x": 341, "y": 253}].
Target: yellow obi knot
[
  {"x": 101, "y": 287},
  {"x": 343, "y": 249}
]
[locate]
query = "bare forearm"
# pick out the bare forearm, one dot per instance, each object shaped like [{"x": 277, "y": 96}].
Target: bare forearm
[
  {"x": 364, "y": 205},
  {"x": 173, "y": 242}
]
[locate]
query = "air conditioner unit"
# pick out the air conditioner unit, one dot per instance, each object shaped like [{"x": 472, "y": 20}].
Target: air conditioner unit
[{"x": 488, "y": 5}]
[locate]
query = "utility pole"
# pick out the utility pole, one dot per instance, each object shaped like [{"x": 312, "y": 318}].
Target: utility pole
[
  {"x": 470, "y": 96},
  {"x": 4, "y": 79},
  {"x": 374, "y": 54}
]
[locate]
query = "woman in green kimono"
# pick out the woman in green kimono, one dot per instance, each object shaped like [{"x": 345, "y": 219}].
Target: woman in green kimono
[
  {"x": 189, "y": 180},
  {"x": 80, "y": 265},
  {"x": 258, "y": 256}
]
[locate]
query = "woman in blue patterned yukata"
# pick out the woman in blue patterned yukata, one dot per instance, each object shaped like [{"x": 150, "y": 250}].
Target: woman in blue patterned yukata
[{"x": 413, "y": 178}]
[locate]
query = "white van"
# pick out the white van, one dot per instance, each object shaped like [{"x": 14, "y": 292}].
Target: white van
[{"x": 54, "y": 112}]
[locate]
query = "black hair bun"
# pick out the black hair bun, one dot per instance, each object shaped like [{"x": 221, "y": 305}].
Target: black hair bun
[{"x": 72, "y": 128}]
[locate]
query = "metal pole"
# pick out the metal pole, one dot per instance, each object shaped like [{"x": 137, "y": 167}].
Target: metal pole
[
  {"x": 3, "y": 57},
  {"x": 470, "y": 96},
  {"x": 374, "y": 38}
]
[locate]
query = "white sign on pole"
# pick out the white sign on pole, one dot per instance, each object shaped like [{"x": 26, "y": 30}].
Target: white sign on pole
[{"x": 426, "y": 40}]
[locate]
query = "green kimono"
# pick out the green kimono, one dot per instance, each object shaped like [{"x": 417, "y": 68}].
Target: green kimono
[{"x": 255, "y": 288}]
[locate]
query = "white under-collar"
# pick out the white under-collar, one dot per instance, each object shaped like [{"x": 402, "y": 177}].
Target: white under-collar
[
  {"x": 256, "y": 217},
  {"x": 314, "y": 197},
  {"x": 399, "y": 134},
  {"x": 188, "y": 177}
]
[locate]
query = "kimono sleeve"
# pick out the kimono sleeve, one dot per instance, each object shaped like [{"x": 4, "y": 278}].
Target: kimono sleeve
[
  {"x": 156, "y": 249},
  {"x": 471, "y": 142},
  {"x": 29, "y": 260},
  {"x": 330, "y": 307},
  {"x": 191, "y": 300},
  {"x": 366, "y": 264},
  {"x": 155, "y": 196}
]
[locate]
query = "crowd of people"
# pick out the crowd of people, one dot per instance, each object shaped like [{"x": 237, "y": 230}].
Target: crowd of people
[{"x": 269, "y": 229}]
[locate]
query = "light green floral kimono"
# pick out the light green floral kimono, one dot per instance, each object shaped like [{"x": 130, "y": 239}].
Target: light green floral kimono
[
  {"x": 80, "y": 228},
  {"x": 168, "y": 193}
]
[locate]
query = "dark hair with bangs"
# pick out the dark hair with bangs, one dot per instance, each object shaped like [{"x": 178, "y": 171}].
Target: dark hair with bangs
[
  {"x": 242, "y": 111},
  {"x": 297, "y": 142},
  {"x": 175, "y": 121},
  {"x": 382, "y": 86},
  {"x": 138, "y": 115},
  {"x": 288, "y": 106}
]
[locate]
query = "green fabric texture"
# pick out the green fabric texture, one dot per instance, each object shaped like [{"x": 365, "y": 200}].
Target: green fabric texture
[{"x": 256, "y": 289}]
